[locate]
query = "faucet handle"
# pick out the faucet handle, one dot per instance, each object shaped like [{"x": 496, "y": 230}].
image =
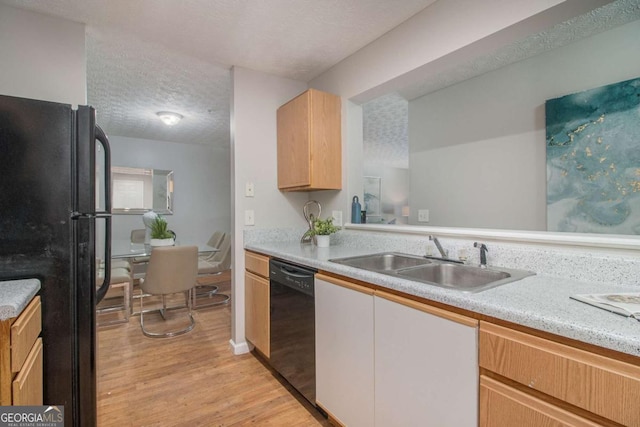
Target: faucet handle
[{"x": 483, "y": 253}]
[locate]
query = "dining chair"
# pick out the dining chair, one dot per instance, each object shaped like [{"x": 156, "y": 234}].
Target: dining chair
[
  {"x": 138, "y": 235},
  {"x": 216, "y": 240},
  {"x": 139, "y": 263},
  {"x": 213, "y": 265},
  {"x": 171, "y": 270},
  {"x": 120, "y": 287}
]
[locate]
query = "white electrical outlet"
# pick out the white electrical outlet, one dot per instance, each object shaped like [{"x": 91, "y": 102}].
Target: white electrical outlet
[
  {"x": 423, "y": 215},
  {"x": 249, "y": 217},
  {"x": 337, "y": 218},
  {"x": 249, "y": 189}
]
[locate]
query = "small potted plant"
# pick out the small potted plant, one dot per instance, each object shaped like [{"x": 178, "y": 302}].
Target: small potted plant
[
  {"x": 160, "y": 236},
  {"x": 322, "y": 230}
]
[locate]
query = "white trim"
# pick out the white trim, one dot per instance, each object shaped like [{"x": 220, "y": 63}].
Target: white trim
[
  {"x": 551, "y": 238},
  {"x": 240, "y": 348}
]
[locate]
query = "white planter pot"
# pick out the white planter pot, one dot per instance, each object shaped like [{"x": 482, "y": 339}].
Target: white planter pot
[
  {"x": 323, "y": 241},
  {"x": 161, "y": 242}
]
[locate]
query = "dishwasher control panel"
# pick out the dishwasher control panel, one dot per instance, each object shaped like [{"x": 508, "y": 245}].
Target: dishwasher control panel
[{"x": 292, "y": 276}]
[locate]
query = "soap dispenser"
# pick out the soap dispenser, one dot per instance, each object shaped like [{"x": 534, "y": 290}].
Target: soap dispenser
[{"x": 355, "y": 211}]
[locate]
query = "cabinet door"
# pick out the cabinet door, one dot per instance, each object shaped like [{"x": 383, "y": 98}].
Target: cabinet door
[
  {"x": 310, "y": 142},
  {"x": 426, "y": 366},
  {"x": 256, "y": 295},
  {"x": 294, "y": 167},
  {"x": 24, "y": 332},
  {"x": 589, "y": 381},
  {"x": 27, "y": 386},
  {"x": 501, "y": 405},
  {"x": 344, "y": 351}
]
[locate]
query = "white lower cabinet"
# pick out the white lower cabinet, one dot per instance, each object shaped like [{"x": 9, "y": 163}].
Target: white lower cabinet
[
  {"x": 387, "y": 361},
  {"x": 426, "y": 365},
  {"x": 344, "y": 351}
]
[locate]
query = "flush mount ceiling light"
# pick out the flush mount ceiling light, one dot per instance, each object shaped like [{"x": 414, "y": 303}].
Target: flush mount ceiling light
[{"x": 169, "y": 118}]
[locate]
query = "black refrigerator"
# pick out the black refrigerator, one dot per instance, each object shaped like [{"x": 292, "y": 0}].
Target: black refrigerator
[{"x": 54, "y": 195}]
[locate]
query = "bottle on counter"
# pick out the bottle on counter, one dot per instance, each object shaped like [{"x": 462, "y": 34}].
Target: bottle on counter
[{"x": 356, "y": 210}]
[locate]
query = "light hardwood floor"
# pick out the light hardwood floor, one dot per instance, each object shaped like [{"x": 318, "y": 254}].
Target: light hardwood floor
[{"x": 191, "y": 380}]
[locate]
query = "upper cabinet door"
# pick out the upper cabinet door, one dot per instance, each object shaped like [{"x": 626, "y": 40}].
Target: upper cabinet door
[{"x": 310, "y": 143}]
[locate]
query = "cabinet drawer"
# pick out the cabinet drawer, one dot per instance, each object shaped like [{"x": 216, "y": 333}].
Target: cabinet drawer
[
  {"x": 258, "y": 264},
  {"x": 24, "y": 332},
  {"x": 598, "y": 384},
  {"x": 27, "y": 387},
  {"x": 502, "y": 406}
]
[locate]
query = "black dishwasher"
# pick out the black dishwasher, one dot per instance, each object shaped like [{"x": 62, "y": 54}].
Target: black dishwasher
[{"x": 293, "y": 346}]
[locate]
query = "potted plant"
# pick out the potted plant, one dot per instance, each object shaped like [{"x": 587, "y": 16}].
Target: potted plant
[
  {"x": 160, "y": 236},
  {"x": 322, "y": 230}
]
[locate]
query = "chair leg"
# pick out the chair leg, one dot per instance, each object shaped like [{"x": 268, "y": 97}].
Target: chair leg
[
  {"x": 210, "y": 291},
  {"x": 164, "y": 307},
  {"x": 222, "y": 299},
  {"x": 125, "y": 307},
  {"x": 127, "y": 300},
  {"x": 192, "y": 322}
]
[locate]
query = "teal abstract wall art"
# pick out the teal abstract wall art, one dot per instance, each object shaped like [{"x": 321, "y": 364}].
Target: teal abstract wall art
[{"x": 593, "y": 160}]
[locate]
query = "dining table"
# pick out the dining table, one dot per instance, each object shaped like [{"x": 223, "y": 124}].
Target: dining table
[{"x": 124, "y": 249}]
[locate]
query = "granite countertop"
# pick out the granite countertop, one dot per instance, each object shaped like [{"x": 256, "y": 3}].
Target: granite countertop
[
  {"x": 15, "y": 295},
  {"x": 539, "y": 302}
]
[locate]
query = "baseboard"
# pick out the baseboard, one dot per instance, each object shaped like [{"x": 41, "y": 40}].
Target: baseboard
[{"x": 239, "y": 348}]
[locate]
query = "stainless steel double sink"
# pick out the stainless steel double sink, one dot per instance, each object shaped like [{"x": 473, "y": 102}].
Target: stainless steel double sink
[{"x": 435, "y": 272}]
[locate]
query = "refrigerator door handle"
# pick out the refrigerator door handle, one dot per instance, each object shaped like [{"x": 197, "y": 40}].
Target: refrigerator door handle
[{"x": 106, "y": 214}]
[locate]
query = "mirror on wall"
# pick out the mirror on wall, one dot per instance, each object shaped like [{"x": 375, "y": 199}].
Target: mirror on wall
[
  {"x": 138, "y": 190},
  {"x": 472, "y": 153}
]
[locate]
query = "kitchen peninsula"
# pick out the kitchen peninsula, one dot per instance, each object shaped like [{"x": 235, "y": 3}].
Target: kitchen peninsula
[{"x": 525, "y": 329}]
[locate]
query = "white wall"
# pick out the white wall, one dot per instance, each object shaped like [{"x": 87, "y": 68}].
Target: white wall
[
  {"x": 477, "y": 149},
  {"x": 255, "y": 98},
  {"x": 42, "y": 57},
  {"x": 201, "y": 186},
  {"x": 426, "y": 44},
  {"x": 442, "y": 28}
]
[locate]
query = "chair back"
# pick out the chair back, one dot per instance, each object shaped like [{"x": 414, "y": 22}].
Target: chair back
[
  {"x": 171, "y": 269},
  {"x": 138, "y": 235},
  {"x": 216, "y": 239},
  {"x": 223, "y": 256}
]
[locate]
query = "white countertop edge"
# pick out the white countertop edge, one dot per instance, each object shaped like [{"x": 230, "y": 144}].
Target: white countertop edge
[
  {"x": 582, "y": 322},
  {"x": 15, "y": 295}
]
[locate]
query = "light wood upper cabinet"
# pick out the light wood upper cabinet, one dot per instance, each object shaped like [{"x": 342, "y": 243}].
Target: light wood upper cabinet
[
  {"x": 310, "y": 143},
  {"x": 21, "y": 357}
]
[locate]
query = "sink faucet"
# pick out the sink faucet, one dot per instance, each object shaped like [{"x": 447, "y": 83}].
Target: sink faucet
[
  {"x": 483, "y": 253},
  {"x": 435, "y": 240}
]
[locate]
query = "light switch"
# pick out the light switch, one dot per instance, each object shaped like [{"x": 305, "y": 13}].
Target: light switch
[
  {"x": 423, "y": 215},
  {"x": 249, "y": 190},
  {"x": 249, "y": 217},
  {"x": 337, "y": 218}
]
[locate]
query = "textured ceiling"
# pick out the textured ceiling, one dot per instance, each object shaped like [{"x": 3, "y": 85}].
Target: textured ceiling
[
  {"x": 604, "y": 18},
  {"x": 131, "y": 80},
  {"x": 144, "y": 56},
  {"x": 385, "y": 131}
]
